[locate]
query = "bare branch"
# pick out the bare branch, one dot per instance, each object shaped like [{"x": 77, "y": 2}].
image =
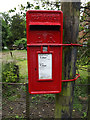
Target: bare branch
[{"x": 88, "y": 7}]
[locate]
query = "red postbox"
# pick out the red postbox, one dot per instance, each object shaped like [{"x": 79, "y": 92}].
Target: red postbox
[{"x": 44, "y": 36}]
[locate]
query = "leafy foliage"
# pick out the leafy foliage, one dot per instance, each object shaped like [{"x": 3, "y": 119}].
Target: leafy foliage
[
  {"x": 83, "y": 53},
  {"x": 10, "y": 72},
  {"x": 84, "y": 21},
  {"x": 38, "y": 5},
  {"x": 13, "y": 28},
  {"x": 17, "y": 27},
  {"x": 21, "y": 42},
  {"x": 6, "y": 33}
]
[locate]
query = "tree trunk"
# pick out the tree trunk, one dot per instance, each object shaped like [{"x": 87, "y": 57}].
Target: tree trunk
[{"x": 64, "y": 100}]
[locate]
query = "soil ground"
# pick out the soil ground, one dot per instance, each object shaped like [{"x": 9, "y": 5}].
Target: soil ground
[{"x": 41, "y": 106}]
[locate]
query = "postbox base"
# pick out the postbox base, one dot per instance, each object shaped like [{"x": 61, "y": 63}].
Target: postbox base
[{"x": 45, "y": 92}]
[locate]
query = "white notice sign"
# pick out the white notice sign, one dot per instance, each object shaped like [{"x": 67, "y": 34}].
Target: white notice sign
[{"x": 45, "y": 66}]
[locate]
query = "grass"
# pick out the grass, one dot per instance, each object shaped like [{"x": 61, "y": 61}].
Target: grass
[
  {"x": 12, "y": 98},
  {"x": 83, "y": 76},
  {"x": 81, "y": 90}
]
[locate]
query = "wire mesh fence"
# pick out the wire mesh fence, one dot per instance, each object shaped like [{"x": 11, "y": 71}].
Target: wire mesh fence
[{"x": 17, "y": 103}]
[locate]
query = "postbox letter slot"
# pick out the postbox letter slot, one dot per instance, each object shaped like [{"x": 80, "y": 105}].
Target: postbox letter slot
[{"x": 45, "y": 27}]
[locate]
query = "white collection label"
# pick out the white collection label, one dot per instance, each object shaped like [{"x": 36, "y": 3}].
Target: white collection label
[{"x": 45, "y": 66}]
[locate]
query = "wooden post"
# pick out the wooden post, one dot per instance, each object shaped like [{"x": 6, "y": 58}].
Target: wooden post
[
  {"x": 88, "y": 111},
  {"x": 27, "y": 103},
  {"x": 63, "y": 107}
]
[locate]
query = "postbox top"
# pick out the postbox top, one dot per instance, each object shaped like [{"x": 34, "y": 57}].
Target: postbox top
[
  {"x": 45, "y": 11},
  {"x": 44, "y": 17}
]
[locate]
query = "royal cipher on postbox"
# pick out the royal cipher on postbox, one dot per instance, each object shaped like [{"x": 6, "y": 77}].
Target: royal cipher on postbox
[{"x": 44, "y": 34}]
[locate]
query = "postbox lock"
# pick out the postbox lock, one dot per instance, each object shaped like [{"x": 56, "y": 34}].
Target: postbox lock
[{"x": 45, "y": 49}]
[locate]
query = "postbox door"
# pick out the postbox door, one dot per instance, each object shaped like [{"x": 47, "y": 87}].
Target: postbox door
[{"x": 44, "y": 70}]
